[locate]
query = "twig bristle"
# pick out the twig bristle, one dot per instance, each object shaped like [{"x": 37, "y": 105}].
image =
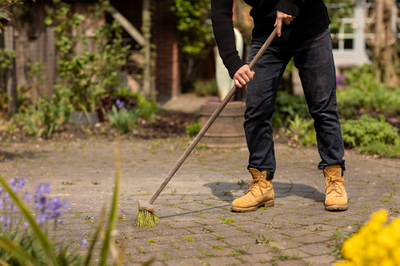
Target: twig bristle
[{"x": 146, "y": 219}]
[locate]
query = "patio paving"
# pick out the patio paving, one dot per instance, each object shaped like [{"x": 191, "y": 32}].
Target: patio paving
[{"x": 196, "y": 225}]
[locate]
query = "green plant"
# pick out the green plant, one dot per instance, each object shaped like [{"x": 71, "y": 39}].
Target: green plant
[
  {"x": 191, "y": 17},
  {"x": 6, "y": 58},
  {"x": 363, "y": 93},
  {"x": 337, "y": 10},
  {"x": 263, "y": 240},
  {"x": 205, "y": 87},
  {"x": 301, "y": 131},
  {"x": 86, "y": 76},
  {"x": 287, "y": 107},
  {"x": 123, "y": 119},
  {"x": 30, "y": 246},
  {"x": 339, "y": 238},
  {"x": 148, "y": 109},
  {"x": 193, "y": 129},
  {"x": 372, "y": 136},
  {"x": 229, "y": 221}
]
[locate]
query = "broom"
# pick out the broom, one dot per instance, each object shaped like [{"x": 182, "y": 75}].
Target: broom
[{"x": 146, "y": 216}]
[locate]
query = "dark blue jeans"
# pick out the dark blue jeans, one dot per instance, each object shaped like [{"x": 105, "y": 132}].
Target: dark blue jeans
[{"x": 314, "y": 60}]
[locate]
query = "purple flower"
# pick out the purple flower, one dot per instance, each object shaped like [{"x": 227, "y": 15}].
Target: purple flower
[
  {"x": 41, "y": 218},
  {"x": 39, "y": 202},
  {"x": 2, "y": 218},
  {"x": 21, "y": 183},
  {"x": 28, "y": 196},
  {"x": 26, "y": 223},
  {"x": 1, "y": 204},
  {"x": 84, "y": 243},
  {"x": 6, "y": 196},
  {"x": 7, "y": 222},
  {"x": 120, "y": 104},
  {"x": 45, "y": 188},
  {"x": 9, "y": 207},
  {"x": 1, "y": 190},
  {"x": 13, "y": 182}
]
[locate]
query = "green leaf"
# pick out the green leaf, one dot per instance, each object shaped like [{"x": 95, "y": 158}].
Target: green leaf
[
  {"x": 16, "y": 251},
  {"x": 47, "y": 247},
  {"x": 114, "y": 207}
]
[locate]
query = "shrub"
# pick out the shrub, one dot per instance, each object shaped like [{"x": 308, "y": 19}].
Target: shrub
[
  {"x": 148, "y": 109},
  {"x": 380, "y": 149},
  {"x": 301, "y": 132},
  {"x": 368, "y": 130},
  {"x": 193, "y": 129},
  {"x": 45, "y": 116},
  {"x": 363, "y": 91},
  {"x": 287, "y": 107},
  {"x": 205, "y": 88}
]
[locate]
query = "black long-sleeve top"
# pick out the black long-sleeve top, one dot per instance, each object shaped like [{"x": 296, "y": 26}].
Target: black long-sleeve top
[{"x": 311, "y": 19}]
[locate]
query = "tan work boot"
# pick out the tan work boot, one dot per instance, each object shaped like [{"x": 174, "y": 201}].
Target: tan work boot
[
  {"x": 336, "y": 196},
  {"x": 259, "y": 193}
]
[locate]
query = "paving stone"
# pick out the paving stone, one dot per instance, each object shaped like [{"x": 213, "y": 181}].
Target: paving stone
[
  {"x": 239, "y": 241},
  {"x": 199, "y": 195},
  {"x": 309, "y": 239},
  {"x": 316, "y": 249},
  {"x": 222, "y": 261},
  {"x": 184, "y": 262},
  {"x": 320, "y": 260}
]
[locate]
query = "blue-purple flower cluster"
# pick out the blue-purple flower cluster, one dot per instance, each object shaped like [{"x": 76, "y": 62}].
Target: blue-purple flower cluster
[
  {"x": 120, "y": 104},
  {"x": 47, "y": 208}
]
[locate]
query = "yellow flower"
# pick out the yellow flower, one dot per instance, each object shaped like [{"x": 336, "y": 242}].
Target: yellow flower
[{"x": 375, "y": 244}]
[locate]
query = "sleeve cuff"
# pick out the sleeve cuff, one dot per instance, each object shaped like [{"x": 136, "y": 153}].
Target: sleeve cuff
[
  {"x": 233, "y": 64},
  {"x": 287, "y": 7}
]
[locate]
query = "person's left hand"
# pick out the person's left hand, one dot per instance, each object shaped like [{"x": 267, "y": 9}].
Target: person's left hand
[{"x": 280, "y": 16}]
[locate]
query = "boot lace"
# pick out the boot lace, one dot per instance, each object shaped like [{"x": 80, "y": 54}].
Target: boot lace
[
  {"x": 253, "y": 185},
  {"x": 333, "y": 184}
]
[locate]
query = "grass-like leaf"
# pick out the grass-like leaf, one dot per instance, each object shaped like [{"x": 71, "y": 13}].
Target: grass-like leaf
[
  {"x": 114, "y": 206},
  {"x": 17, "y": 252},
  {"x": 47, "y": 247}
]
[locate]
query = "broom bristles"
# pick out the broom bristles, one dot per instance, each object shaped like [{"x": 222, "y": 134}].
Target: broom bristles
[{"x": 146, "y": 219}]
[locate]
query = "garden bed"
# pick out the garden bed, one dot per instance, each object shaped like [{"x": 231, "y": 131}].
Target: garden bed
[{"x": 168, "y": 125}]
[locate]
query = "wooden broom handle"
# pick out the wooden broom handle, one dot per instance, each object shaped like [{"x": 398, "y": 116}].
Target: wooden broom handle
[{"x": 209, "y": 123}]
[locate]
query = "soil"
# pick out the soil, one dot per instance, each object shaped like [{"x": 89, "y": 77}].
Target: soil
[{"x": 167, "y": 125}]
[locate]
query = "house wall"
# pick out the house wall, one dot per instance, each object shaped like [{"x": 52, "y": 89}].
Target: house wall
[
  {"x": 167, "y": 63},
  {"x": 35, "y": 42}
]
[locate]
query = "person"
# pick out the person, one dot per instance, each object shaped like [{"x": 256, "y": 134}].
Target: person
[{"x": 302, "y": 34}]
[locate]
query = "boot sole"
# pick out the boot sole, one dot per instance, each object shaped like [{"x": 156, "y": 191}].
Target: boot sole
[
  {"x": 253, "y": 208},
  {"x": 336, "y": 207}
]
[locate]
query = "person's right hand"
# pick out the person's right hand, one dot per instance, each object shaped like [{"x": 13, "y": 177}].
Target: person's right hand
[{"x": 243, "y": 76}]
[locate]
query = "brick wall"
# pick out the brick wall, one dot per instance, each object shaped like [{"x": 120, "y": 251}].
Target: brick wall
[{"x": 167, "y": 62}]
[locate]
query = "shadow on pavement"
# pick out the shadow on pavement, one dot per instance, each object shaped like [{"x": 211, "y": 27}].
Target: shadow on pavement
[
  {"x": 223, "y": 190},
  {"x": 5, "y": 155}
]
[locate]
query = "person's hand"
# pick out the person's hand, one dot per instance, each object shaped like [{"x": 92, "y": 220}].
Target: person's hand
[
  {"x": 280, "y": 16},
  {"x": 243, "y": 76}
]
